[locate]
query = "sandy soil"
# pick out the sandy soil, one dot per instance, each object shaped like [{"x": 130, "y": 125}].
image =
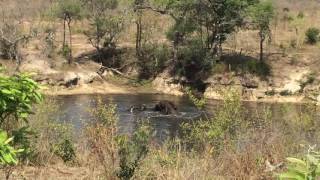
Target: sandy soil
[{"x": 102, "y": 88}]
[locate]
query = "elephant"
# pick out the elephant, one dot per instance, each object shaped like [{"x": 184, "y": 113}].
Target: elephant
[
  {"x": 166, "y": 107},
  {"x": 138, "y": 108}
]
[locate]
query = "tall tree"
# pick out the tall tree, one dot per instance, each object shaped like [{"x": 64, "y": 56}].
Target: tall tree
[
  {"x": 212, "y": 20},
  {"x": 68, "y": 11},
  {"x": 106, "y": 23},
  {"x": 138, "y": 4},
  {"x": 261, "y": 15}
]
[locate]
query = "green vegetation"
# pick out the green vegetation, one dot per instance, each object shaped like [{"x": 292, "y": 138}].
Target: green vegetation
[
  {"x": 105, "y": 24},
  {"x": 306, "y": 168},
  {"x": 192, "y": 43},
  {"x": 8, "y": 155},
  {"x": 312, "y": 35},
  {"x": 231, "y": 135},
  {"x": 211, "y": 132},
  {"x": 132, "y": 152},
  {"x": 196, "y": 36},
  {"x": 68, "y": 11},
  {"x": 17, "y": 95},
  {"x": 262, "y": 15}
]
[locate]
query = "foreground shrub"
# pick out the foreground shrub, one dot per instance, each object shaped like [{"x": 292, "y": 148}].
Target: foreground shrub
[
  {"x": 17, "y": 95},
  {"x": 305, "y": 168},
  {"x": 101, "y": 137},
  {"x": 119, "y": 155},
  {"x": 133, "y": 151},
  {"x": 53, "y": 138},
  {"x": 211, "y": 132},
  {"x": 312, "y": 35},
  {"x": 8, "y": 155},
  {"x": 66, "y": 150}
]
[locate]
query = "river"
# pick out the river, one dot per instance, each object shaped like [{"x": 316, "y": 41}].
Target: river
[{"x": 282, "y": 117}]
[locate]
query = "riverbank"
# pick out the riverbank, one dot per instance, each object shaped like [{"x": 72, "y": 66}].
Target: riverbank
[
  {"x": 107, "y": 88},
  {"x": 83, "y": 78},
  {"x": 102, "y": 88}
]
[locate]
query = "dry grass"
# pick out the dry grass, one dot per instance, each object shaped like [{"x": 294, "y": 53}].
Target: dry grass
[
  {"x": 97, "y": 152},
  {"x": 246, "y": 161}
]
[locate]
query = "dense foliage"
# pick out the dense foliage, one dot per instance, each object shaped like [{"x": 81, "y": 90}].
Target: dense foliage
[
  {"x": 307, "y": 167},
  {"x": 8, "y": 155},
  {"x": 17, "y": 94}
]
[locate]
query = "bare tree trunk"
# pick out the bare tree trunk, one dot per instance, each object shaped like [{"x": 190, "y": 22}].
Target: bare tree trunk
[
  {"x": 220, "y": 47},
  {"x": 139, "y": 33},
  {"x": 70, "y": 42},
  {"x": 262, "y": 38},
  {"x": 64, "y": 32}
]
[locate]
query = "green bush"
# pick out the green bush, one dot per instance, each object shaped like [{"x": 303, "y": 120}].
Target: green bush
[
  {"x": 270, "y": 92},
  {"x": 17, "y": 95},
  {"x": 65, "y": 150},
  {"x": 310, "y": 78},
  {"x": 212, "y": 132},
  {"x": 199, "y": 103},
  {"x": 155, "y": 57},
  {"x": 259, "y": 68},
  {"x": 312, "y": 35},
  {"x": 132, "y": 151},
  {"x": 23, "y": 138},
  {"x": 65, "y": 51},
  {"x": 193, "y": 59},
  {"x": 304, "y": 168},
  {"x": 285, "y": 93},
  {"x": 247, "y": 65},
  {"x": 8, "y": 155}
]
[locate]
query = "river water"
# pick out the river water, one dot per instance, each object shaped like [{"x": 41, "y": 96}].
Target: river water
[{"x": 75, "y": 110}]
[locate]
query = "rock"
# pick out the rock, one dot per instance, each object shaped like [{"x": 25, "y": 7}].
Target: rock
[
  {"x": 292, "y": 87},
  {"x": 36, "y": 64},
  {"x": 253, "y": 94},
  {"x": 214, "y": 91},
  {"x": 89, "y": 77},
  {"x": 50, "y": 79},
  {"x": 166, "y": 107},
  {"x": 249, "y": 82},
  {"x": 220, "y": 80},
  {"x": 166, "y": 84},
  {"x": 70, "y": 79},
  {"x": 108, "y": 73},
  {"x": 318, "y": 100}
]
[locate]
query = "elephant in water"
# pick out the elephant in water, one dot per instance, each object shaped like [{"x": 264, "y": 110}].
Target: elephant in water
[
  {"x": 138, "y": 108},
  {"x": 164, "y": 107}
]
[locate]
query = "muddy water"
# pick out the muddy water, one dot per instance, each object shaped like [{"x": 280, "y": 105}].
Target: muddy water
[{"x": 283, "y": 118}]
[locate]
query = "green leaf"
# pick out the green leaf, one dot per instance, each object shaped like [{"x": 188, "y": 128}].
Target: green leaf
[
  {"x": 291, "y": 175},
  {"x": 6, "y": 91},
  {"x": 8, "y": 140},
  {"x": 312, "y": 159},
  {"x": 3, "y": 137},
  {"x": 297, "y": 161}
]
